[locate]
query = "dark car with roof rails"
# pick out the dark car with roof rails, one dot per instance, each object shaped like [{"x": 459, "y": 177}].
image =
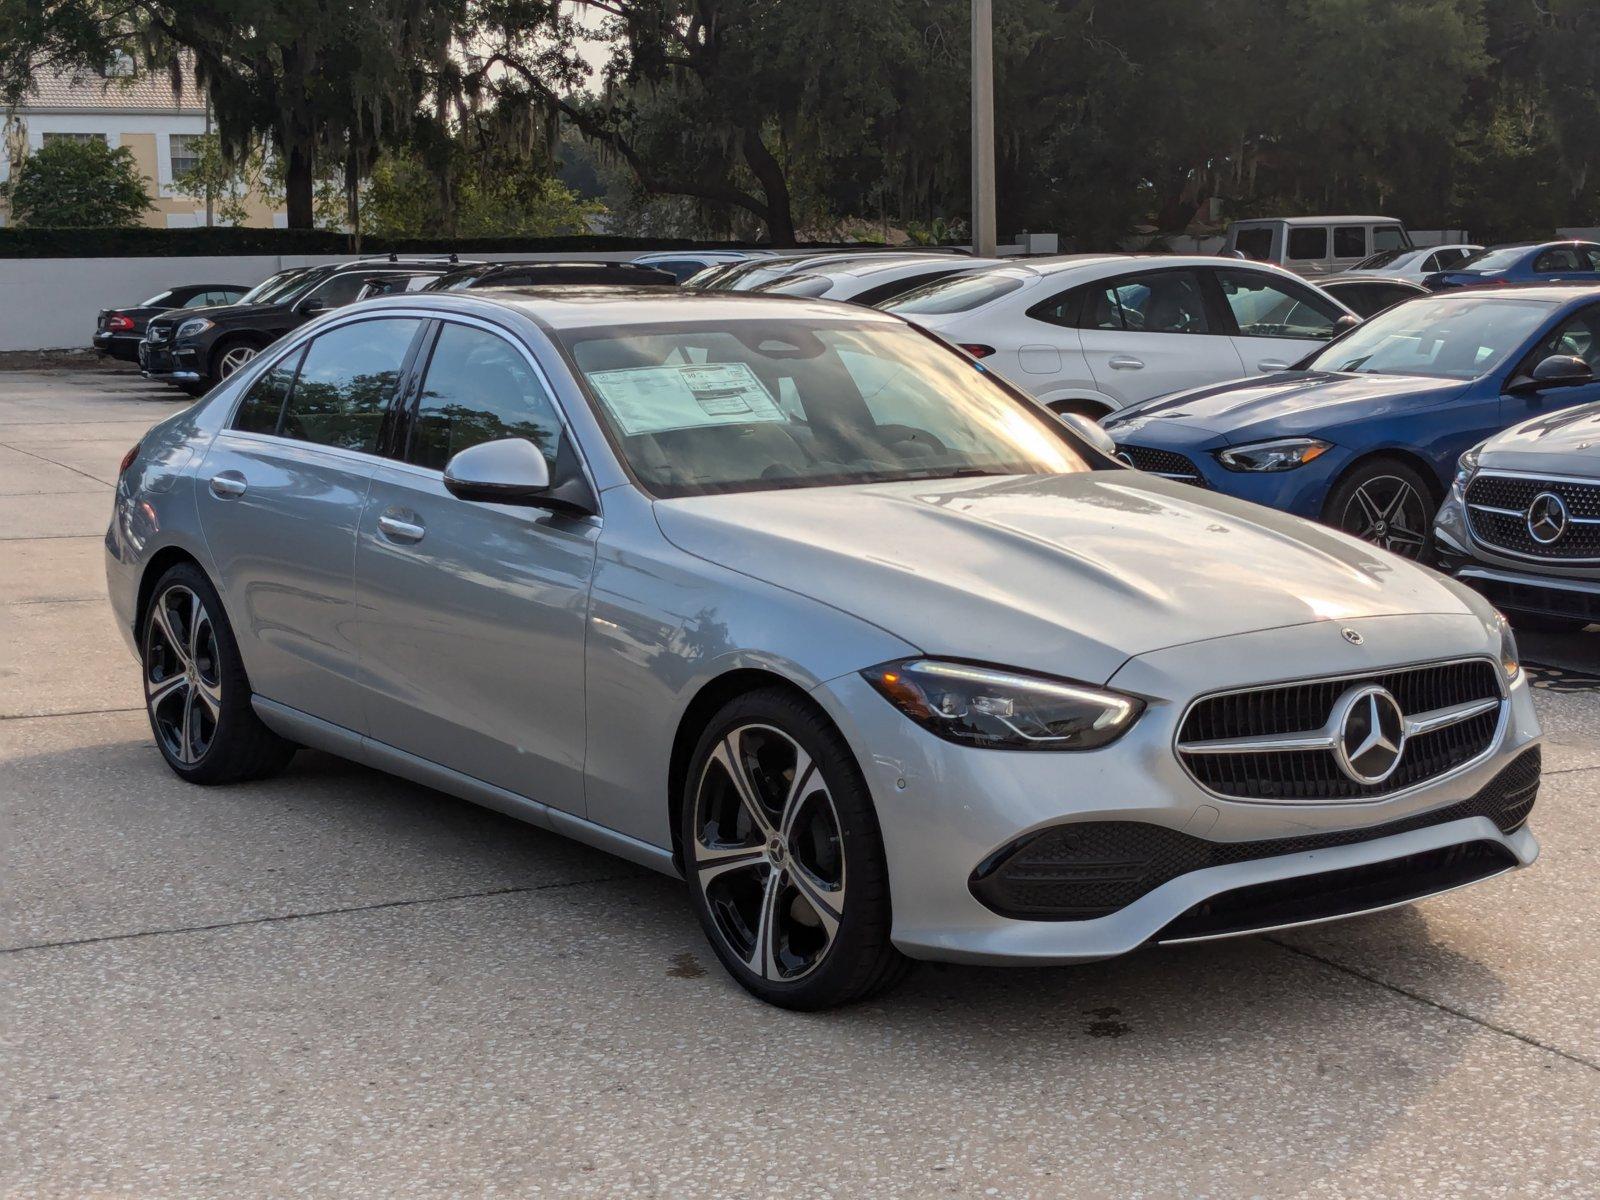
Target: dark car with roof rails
[
  {"x": 539, "y": 274},
  {"x": 196, "y": 348},
  {"x": 118, "y": 331}
]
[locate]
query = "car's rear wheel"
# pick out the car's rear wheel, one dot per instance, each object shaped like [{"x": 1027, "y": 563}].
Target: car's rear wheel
[
  {"x": 196, "y": 692},
  {"x": 784, "y": 858},
  {"x": 1387, "y": 503}
]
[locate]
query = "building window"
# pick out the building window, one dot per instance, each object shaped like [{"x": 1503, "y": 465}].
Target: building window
[
  {"x": 185, "y": 150},
  {"x": 119, "y": 66},
  {"x": 75, "y": 137}
]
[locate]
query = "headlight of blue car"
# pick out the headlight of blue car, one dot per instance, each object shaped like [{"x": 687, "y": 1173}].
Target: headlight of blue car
[{"x": 1280, "y": 454}]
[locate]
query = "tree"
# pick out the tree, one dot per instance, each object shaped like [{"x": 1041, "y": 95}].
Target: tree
[
  {"x": 503, "y": 198},
  {"x": 77, "y": 184}
]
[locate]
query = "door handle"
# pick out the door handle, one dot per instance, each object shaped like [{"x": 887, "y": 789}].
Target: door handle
[
  {"x": 228, "y": 485},
  {"x": 1272, "y": 364},
  {"x": 1123, "y": 362},
  {"x": 397, "y": 529}
]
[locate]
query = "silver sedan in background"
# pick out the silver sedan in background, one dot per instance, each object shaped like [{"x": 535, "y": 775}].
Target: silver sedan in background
[{"x": 791, "y": 599}]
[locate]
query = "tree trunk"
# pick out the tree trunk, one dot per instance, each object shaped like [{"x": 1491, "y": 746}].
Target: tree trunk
[
  {"x": 299, "y": 186},
  {"x": 769, "y": 174}
]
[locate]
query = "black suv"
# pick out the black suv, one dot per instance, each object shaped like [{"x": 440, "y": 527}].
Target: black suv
[
  {"x": 537, "y": 273},
  {"x": 198, "y": 347}
]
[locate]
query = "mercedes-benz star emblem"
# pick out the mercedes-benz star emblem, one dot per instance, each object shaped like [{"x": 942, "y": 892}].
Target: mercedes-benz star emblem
[
  {"x": 1547, "y": 518},
  {"x": 1372, "y": 734},
  {"x": 1351, "y": 636}
]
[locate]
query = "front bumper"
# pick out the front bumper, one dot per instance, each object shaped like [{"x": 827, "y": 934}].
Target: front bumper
[
  {"x": 946, "y": 810},
  {"x": 1302, "y": 491},
  {"x": 176, "y": 364},
  {"x": 1513, "y": 585}
]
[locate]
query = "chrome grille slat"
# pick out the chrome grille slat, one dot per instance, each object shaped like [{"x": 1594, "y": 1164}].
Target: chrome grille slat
[
  {"x": 1497, "y": 506},
  {"x": 1447, "y": 700}
]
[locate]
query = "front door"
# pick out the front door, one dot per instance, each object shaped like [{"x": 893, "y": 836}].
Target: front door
[
  {"x": 1277, "y": 321},
  {"x": 1148, "y": 334},
  {"x": 472, "y": 615},
  {"x": 279, "y": 497},
  {"x": 1577, "y": 336}
]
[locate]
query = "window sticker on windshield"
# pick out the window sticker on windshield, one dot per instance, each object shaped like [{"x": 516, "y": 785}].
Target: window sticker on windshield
[{"x": 687, "y": 396}]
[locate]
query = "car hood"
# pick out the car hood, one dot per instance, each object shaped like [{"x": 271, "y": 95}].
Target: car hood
[
  {"x": 1293, "y": 402},
  {"x": 1068, "y": 574},
  {"x": 1562, "y": 443}
]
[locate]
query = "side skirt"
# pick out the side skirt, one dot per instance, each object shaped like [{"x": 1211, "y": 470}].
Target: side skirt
[{"x": 335, "y": 739}]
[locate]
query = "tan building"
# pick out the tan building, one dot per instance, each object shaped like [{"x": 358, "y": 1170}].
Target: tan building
[{"x": 138, "y": 110}]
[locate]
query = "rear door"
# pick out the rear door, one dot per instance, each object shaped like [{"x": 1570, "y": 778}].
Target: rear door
[
  {"x": 1274, "y": 321},
  {"x": 1149, "y": 333},
  {"x": 281, "y": 492},
  {"x": 472, "y": 615}
]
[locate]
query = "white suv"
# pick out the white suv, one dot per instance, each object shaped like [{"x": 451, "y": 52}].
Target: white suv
[{"x": 1093, "y": 333}]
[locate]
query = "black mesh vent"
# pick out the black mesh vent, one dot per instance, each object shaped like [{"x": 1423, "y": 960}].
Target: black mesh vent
[
  {"x": 1579, "y": 541},
  {"x": 1089, "y": 869},
  {"x": 1162, "y": 462},
  {"x": 1306, "y": 707},
  {"x": 1531, "y": 598}
]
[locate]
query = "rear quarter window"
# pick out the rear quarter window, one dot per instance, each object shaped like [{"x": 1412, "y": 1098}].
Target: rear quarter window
[{"x": 1254, "y": 243}]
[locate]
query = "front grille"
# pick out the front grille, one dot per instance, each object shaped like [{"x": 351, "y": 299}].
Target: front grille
[
  {"x": 1162, "y": 462},
  {"x": 1093, "y": 868},
  {"x": 1315, "y": 775},
  {"x": 1497, "y": 510}
]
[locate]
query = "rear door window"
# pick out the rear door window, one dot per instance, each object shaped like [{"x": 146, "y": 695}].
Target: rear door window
[
  {"x": 1350, "y": 241},
  {"x": 1154, "y": 302},
  {"x": 1308, "y": 243},
  {"x": 346, "y": 383},
  {"x": 1254, "y": 243}
]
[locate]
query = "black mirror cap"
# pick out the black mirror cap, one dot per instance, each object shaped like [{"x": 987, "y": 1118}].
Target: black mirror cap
[
  {"x": 1558, "y": 370},
  {"x": 309, "y": 306}
]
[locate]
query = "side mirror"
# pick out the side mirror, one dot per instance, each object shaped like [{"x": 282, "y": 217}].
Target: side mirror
[
  {"x": 510, "y": 471},
  {"x": 1558, "y": 370},
  {"x": 1090, "y": 432},
  {"x": 310, "y": 306},
  {"x": 1345, "y": 323}
]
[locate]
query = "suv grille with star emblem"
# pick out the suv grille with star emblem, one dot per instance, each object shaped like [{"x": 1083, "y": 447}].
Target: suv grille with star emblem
[
  {"x": 1499, "y": 507},
  {"x": 1294, "y": 741}
]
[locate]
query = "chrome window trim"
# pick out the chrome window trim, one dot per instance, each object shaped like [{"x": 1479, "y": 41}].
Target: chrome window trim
[
  {"x": 1488, "y": 751},
  {"x": 1499, "y": 551}
]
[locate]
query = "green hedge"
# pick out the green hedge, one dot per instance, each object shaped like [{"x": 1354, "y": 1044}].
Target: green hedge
[{"x": 140, "y": 242}]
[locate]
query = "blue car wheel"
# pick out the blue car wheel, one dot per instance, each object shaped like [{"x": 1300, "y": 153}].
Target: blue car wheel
[{"x": 1386, "y": 502}]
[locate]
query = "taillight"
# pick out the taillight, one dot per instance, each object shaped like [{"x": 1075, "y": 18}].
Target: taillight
[
  {"x": 120, "y": 322},
  {"x": 976, "y": 349},
  {"x": 127, "y": 459}
]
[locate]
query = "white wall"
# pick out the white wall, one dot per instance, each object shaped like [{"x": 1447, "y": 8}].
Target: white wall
[{"x": 52, "y": 303}]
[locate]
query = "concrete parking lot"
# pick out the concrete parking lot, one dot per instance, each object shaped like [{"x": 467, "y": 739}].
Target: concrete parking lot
[{"x": 337, "y": 983}]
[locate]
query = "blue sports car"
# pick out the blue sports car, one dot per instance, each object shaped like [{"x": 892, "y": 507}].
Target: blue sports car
[
  {"x": 1364, "y": 434},
  {"x": 1532, "y": 262}
]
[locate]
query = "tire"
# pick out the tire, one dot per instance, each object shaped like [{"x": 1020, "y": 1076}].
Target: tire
[
  {"x": 196, "y": 694},
  {"x": 1388, "y": 503},
  {"x": 230, "y": 356},
  {"x": 766, "y": 880}
]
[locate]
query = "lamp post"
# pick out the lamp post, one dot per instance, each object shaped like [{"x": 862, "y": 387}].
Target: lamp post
[{"x": 983, "y": 234}]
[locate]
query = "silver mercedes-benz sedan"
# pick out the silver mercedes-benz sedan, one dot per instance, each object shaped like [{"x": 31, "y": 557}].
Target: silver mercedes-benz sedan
[{"x": 794, "y": 600}]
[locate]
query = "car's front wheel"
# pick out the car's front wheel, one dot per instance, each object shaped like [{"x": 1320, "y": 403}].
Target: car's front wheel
[
  {"x": 196, "y": 692},
  {"x": 1387, "y": 503},
  {"x": 784, "y": 858},
  {"x": 233, "y": 357}
]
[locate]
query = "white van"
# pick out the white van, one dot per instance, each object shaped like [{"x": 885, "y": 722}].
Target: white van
[{"x": 1316, "y": 245}]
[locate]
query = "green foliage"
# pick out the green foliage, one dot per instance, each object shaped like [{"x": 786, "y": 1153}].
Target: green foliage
[
  {"x": 403, "y": 199},
  {"x": 84, "y": 184}
]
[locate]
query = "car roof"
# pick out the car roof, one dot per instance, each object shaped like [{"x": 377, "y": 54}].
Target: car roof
[
  {"x": 1371, "y": 220},
  {"x": 878, "y": 264},
  {"x": 582, "y": 306},
  {"x": 1370, "y": 277}
]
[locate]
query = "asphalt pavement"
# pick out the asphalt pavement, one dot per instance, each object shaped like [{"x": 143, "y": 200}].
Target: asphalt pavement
[{"x": 336, "y": 983}]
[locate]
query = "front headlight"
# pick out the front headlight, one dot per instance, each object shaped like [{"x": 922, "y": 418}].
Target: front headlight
[
  {"x": 1003, "y": 710},
  {"x": 1467, "y": 466},
  {"x": 1510, "y": 661},
  {"x": 1281, "y": 454},
  {"x": 193, "y": 327}
]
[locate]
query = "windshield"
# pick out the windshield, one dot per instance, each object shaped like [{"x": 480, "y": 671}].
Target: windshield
[
  {"x": 1459, "y": 337},
  {"x": 1381, "y": 259},
  {"x": 797, "y": 285},
  {"x": 1493, "y": 260},
  {"x": 754, "y": 270},
  {"x": 957, "y": 293},
  {"x": 753, "y": 405},
  {"x": 271, "y": 289}
]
